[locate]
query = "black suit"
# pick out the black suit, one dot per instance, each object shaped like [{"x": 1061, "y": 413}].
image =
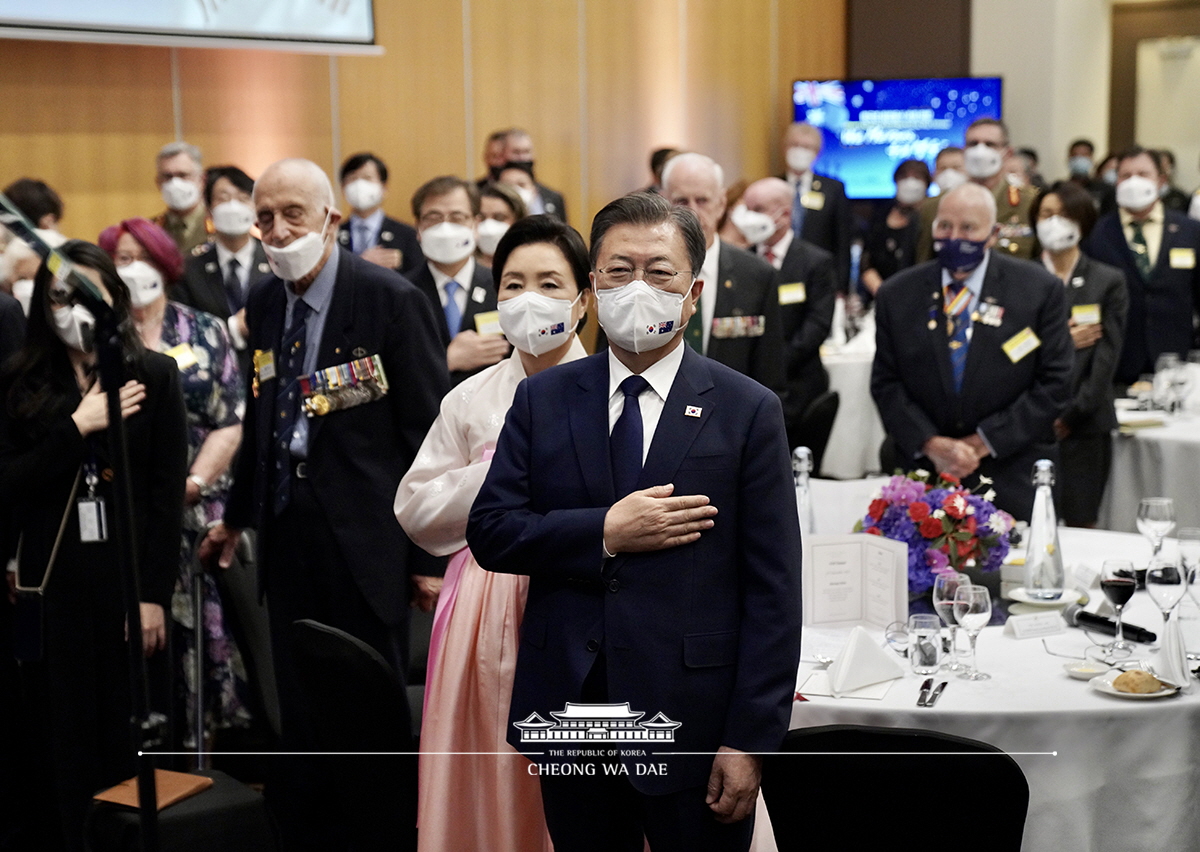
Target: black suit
[
  {"x": 745, "y": 289},
  {"x": 393, "y": 234},
  {"x": 1087, "y": 451},
  {"x": 827, "y": 223},
  {"x": 203, "y": 285},
  {"x": 1161, "y": 309},
  {"x": 481, "y": 298},
  {"x": 806, "y": 314},
  {"x": 552, "y": 202},
  {"x": 1013, "y": 404},
  {"x": 12, "y": 326}
]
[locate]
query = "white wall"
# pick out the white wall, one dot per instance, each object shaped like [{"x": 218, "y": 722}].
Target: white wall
[
  {"x": 1054, "y": 56},
  {"x": 1168, "y": 103}
]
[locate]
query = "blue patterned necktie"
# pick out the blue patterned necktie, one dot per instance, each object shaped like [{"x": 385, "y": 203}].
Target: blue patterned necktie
[
  {"x": 287, "y": 404},
  {"x": 362, "y": 235},
  {"x": 453, "y": 314},
  {"x": 625, "y": 442},
  {"x": 798, "y": 211},
  {"x": 956, "y": 298}
]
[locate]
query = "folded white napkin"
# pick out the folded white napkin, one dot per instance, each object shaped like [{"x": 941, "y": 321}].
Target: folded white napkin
[
  {"x": 817, "y": 683},
  {"x": 1171, "y": 661},
  {"x": 862, "y": 662}
]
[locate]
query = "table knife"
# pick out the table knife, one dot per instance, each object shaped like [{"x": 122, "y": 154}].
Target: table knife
[
  {"x": 924, "y": 696},
  {"x": 937, "y": 693}
]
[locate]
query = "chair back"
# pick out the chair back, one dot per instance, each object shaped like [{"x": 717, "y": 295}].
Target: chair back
[
  {"x": 850, "y": 787},
  {"x": 815, "y": 426}
]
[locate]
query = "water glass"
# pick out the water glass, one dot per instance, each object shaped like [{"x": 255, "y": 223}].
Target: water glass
[
  {"x": 1166, "y": 585},
  {"x": 944, "y": 587},
  {"x": 924, "y": 643},
  {"x": 973, "y": 610},
  {"x": 1156, "y": 519}
]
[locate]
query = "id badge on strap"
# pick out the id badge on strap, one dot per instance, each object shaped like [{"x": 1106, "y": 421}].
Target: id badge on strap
[{"x": 93, "y": 519}]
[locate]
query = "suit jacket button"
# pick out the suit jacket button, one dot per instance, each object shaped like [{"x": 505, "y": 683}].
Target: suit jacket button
[
  {"x": 614, "y": 585},
  {"x": 593, "y": 645}
]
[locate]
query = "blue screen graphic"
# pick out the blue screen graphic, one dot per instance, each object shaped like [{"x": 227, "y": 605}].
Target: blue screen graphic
[{"x": 871, "y": 126}]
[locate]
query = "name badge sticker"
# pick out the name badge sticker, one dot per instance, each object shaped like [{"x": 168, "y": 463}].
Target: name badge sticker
[
  {"x": 1086, "y": 314},
  {"x": 478, "y": 295},
  {"x": 183, "y": 355},
  {"x": 264, "y": 364},
  {"x": 488, "y": 322},
  {"x": 1021, "y": 344},
  {"x": 813, "y": 200},
  {"x": 792, "y": 294},
  {"x": 93, "y": 521},
  {"x": 1183, "y": 258}
]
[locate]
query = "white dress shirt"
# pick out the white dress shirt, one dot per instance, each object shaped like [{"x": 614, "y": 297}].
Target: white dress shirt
[
  {"x": 660, "y": 375},
  {"x": 464, "y": 277},
  {"x": 245, "y": 258},
  {"x": 708, "y": 296},
  {"x": 778, "y": 251},
  {"x": 1152, "y": 230}
]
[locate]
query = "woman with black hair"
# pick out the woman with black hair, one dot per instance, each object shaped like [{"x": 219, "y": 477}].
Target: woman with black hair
[{"x": 56, "y": 472}]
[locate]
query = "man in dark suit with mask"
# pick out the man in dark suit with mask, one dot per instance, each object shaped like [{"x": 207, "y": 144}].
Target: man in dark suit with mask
[
  {"x": 518, "y": 151},
  {"x": 973, "y": 356},
  {"x": 369, "y": 232},
  {"x": 820, "y": 211}
]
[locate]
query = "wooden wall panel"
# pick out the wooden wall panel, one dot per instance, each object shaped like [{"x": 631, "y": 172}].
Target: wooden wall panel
[{"x": 812, "y": 45}]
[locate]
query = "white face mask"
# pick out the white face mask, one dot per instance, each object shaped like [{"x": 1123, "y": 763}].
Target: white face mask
[
  {"x": 363, "y": 194},
  {"x": 949, "y": 179},
  {"x": 1193, "y": 213},
  {"x": 180, "y": 194},
  {"x": 536, "y": 323},
  {"x": 1109, "y": 177},
  {"x": 489, "y": 233},
  {"x": 526, "y": 195},
  {"x": 447, "y": 242},
  {"x": 755, "y": 226},
  {"x": 1057, "y": 233},
  {"x": 800, "y": 159},
  {"x": 982, "y": 161},
  {"x": 23, "y": 291},
  {"x": 74, "y": 326},
  {"x": 144, "y": 282},
  {"x": 910, "y": 190},
  {"x": 233, "y": 218},
  {"x": 1136, "y": 193},
  {"x": 637, "y": 317},
  {"x": 299, "y": 257}
]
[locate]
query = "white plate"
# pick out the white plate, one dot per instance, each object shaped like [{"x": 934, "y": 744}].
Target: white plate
[
  {"x": 1103, "y": 683},
  {"x": 1069, "y": 596},
  {"x": 1085, "y": 671}
]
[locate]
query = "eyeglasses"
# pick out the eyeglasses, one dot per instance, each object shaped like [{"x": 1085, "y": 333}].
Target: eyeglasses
[
  {"x": 431, "y": 219},
  {"x": 621, "y": 274}
]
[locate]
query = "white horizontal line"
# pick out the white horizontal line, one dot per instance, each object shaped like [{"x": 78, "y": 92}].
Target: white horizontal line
[{"x": 543, "y": 754}]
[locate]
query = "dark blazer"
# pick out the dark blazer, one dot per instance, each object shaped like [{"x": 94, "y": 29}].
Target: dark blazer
[
  {"x": 806, "y": 322},
  {"x": 202, "y": 285},
  {"x": 12, "y": 326},
  {"x": 481, "y": 298},
  {"x": 706, "y": 633},
  {"x": 355, "y": 456},
  {"x": 392, "y": 234},
  {"x": 829, "y": 227},
  {"x": 745, "y": 287},
  {"x": 1090, "y": 411},
  {"x": 1161, "y": 310},
  {"x": 552, "y": 201},
  {"x": 1014, "y": 405}
]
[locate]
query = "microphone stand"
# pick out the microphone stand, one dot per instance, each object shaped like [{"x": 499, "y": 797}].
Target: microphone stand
[{"x": 146, "y": 727}]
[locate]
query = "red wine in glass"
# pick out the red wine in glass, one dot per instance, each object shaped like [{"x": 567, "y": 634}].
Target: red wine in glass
[{"x": 1119, "y": 589}]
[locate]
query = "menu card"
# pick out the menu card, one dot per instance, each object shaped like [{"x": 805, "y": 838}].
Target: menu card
[{"x": 854, "y": 579}]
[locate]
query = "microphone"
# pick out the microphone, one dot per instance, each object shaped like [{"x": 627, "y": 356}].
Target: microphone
[{"x": 1076, "y": 616}]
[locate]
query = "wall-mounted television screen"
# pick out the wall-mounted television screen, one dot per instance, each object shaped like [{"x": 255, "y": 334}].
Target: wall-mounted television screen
[{"x": 871, "y": 126}]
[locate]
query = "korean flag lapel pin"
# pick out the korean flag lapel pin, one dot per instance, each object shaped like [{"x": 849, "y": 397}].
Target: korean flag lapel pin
[{"x": 692, "y": 411}]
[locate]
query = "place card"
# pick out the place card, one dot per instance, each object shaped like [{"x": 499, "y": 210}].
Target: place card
[
  {"x": 1035, "y": 624},
  {"x": 854, "y": 579}
]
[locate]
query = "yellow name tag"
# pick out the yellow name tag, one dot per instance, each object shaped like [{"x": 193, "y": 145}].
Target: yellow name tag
[
  {"x": 791, "y": 294},
  {"x": 264, "y": 364},
  {"x": 488, "y": 322},
  {"x": 1086, "y": 314},
  {"x": 813, "y": 200},
  {"x": 1183, "y": 258},
  {"x": 183, "y": 355},
  {"x": 1021, "y": 344}
]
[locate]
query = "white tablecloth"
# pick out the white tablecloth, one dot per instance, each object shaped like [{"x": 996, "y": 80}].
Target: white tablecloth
[
  {"x": 1104, "y": 773},
  {"x": 853, "y": 448},
  {"x": 1158, "y": 462}
]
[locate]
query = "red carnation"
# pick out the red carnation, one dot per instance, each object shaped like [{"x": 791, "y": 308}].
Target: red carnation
[
  {"x": 955, "y": 506},
  {"x": 874, "y": 531},
  {"x": 970, "y": 525},
  {"x": 931, "y": 527},
  {"x": 918, "y": 511},
  {"x": 878, "y": 507},
  {"x": 950, "y": 477}
]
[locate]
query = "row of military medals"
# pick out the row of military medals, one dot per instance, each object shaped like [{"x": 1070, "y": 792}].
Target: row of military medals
[{"x": 344, "y": 386}]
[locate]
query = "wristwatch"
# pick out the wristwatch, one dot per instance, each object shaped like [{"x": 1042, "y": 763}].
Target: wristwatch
[{"x": 204, "y": 487}]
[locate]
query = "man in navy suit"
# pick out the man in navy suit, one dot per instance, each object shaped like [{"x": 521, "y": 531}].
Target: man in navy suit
[
  {"x": 647, "y": 492},
  {"x": 369, "y": 232},
  {"x": 973, "y": 356},
  {"x": 1156, "y": 248},
  {"x": 319, "y": 487},
  {"x": 820, "y": 211}
]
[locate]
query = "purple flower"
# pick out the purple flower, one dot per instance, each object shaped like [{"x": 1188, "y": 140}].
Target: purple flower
[{"x": 937, "y": 561}]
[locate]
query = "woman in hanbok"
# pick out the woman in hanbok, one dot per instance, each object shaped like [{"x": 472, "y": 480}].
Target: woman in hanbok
[{"x": 486, "y": 799}]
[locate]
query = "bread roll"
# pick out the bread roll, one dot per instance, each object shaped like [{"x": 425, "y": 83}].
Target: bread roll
[{"x": 1137, "y": 681}]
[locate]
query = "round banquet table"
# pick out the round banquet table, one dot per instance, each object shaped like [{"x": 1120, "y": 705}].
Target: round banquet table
[
  {"x": 1105, "y": 773},
  {"x": 1154, "y": 462},
  {"x": 853, "y": 448}
]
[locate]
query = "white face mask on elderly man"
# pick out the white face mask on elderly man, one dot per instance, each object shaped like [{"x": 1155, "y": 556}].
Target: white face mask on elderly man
[
  {"x": 637, "y": 317},
  {"x": 755, "y": 226},
  {"x": 299, "y": 257}
]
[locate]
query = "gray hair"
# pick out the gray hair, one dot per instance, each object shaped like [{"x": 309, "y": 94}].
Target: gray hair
[
  {"x": 173, "y": 149},
  {"x": 700, "y": 160}
]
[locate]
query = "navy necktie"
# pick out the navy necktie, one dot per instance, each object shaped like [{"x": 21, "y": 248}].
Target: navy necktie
[
  {"x": 453, "y": 314},
  {"x": 798, "y": 211},
  {"x": 956, "y": 298},
  {"x": 233, "y": 287},
  {"x": 287, "y": 403},
  {"x": 625, "y": 442}
]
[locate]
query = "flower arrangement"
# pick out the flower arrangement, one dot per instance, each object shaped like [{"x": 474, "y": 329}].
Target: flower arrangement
[{"x": 943, "y": 524}]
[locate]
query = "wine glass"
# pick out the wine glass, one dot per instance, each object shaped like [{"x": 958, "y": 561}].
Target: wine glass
[
  {"x": 1165, "y": 583},
  {"x": 973, "y": 610},
  {"x": 1182, "y": 382},
  {"x": 1155, "y": 519},
  {"x": 1117, "y": 581},
  {"x": 944, "y": 587}
]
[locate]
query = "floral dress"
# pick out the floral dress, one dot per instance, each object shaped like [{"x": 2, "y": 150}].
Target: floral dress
[{"x": 213, "y": 393}]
